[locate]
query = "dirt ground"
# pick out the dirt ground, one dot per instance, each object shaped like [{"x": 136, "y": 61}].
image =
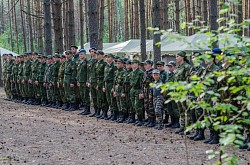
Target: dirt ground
[{"x": 41, "y": 136}]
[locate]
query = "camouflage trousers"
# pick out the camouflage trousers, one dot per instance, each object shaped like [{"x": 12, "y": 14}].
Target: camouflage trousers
[
  {"x": 148, "y": 104},
  {"x": 172, "y": 109},
  {"x": 62, "y": 96},
  {"x": 69, "y": 93},
  {"x": 110, "y": 98},
  {"x": 120, "y": 101},
  {"x": 137, "y": 104},
  {"x": 101, "y": 96},
  {"x": 84, "y": 93},
  {"x": 158, "y": 106},
  {"x": 93, "y": 93},
  {"x": 49, "y": 92}
]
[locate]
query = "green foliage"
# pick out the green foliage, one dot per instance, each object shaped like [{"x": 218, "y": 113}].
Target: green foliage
[{"x": 228, "y": 107}]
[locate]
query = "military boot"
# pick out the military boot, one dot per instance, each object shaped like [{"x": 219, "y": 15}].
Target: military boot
[
  {"x": 172, "y": 121},
  {"x": 152, "y": 123},
  {"x": 194, "y": 135},
  {"x": 132, "y": 119},
  {"x": 147, "y": 121},
  {"x": 87, "y": 111},
  {"x": 165, "y": 121},
  {"x": 122, "y": 118},
  {"x": 211, "y": 136},
  {"x": 66, "y": 107},
  {"x": 245, "y": 142},
  {"x": 179, "y": 130},
  {"x": 200, "y": 135},
  {"x": 176, "y": 123},
  {"x": 114, "y": 117},
  {"x": 100, "y": 114},
  {"x": 140, "y": 121},
  {"x": 215, "y": 139},
  {"x": 95, "y": 109}
]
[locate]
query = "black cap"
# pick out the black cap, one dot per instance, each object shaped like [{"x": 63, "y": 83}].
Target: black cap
[
  {"x": 160, "y": 63},
  {"x": 74, "y": 46},
  {"x": 99, "y": 52},
  {"x": 171, "y": 63},
  {"x": 92, "y": 48},
  {"x": 149, "y": 62}
]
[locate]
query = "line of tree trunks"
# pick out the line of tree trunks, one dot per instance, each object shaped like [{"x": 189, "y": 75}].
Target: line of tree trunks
[
  {"x": 101, "y": 25},
  {"x": 93, "y": 23},
  {"x": 40, "y": 27},
  {"x": 81, "y": 24},
  {"x": 71, "y": 24},
  {"x": 143, "y": 30}
]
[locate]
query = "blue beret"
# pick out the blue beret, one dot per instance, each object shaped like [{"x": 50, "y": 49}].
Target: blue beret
[
  {"x": 216, "y": 50},
  {"x": 82, "y": 51}
]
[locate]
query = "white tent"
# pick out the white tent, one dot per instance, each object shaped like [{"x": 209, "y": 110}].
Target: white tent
[
  {"x": 105, "y": 46},
  {"x": 5, "y": 51}
]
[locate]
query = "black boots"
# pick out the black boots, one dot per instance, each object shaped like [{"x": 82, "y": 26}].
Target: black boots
[
  {"x": 214, "y": 137},
  {"x": 165, "y": 121},
  {"x": 139, "y": 120},
  {"x": 176, "y": 123},
  {"x": 152, "y": 122},
  {"x": 86, "y": 111},
  {"x": 132, "y": 118},
  {"x": 200, "y": 135},
  {"x": 92, "y": 115},
  {"x": 121, "y": 118},
  {"x": 245, "y": 142}
]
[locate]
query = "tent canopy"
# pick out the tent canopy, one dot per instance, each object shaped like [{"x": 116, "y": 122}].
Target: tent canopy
[
  {"x": 105, "y": 46},
  {"x": 5, "y": 51}
]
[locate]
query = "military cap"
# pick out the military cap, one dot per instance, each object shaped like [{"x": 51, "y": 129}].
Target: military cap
[
  {"x": 119, "y": 60},
  {"x": 57, "y": 55},
  {"x": 156, "y": 71},
  {"x": 181, "y": 53},
  {"x": 171, "y": 63},
  {"x": 216, "y": 50},
  {"x": 39, "y": 56},
  {"x": 35, "y": 53},
  {"x": 148, "y": 62},
  {"x": 82, "y": 51},
  {"x": 125, "y": 59},
  {"x": 196, "y": 54},
  {"x": 74, "y": 46},
  {"x": 68, "y": 52},
  {"x": 110, "y": 55},
  {"x": 128, "y": 62},
  {"x": 10, "y": 54},
  {"x": 135, "y": 61},
  {"x": 99, "y": 52},
  {"x": 92, "y": 48},
  {"x": 49, "y": 57},
  {"x": 63, "y": 56},
  {"x": 160, "y": 63}
]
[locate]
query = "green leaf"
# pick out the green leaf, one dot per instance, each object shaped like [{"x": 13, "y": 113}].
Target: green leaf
[
  {"x": 183, "y": 25},
  {"x": 248, "y": 106}
]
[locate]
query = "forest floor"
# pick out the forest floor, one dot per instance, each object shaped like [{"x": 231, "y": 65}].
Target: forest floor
[{"x": 45, "y": 136}]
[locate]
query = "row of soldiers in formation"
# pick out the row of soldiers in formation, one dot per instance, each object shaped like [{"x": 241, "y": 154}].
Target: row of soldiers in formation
[{"x": 119, "y": 86}]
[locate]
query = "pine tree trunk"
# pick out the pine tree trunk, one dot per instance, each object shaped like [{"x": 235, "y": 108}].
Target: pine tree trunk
[
  {"x": 30, "y": 26},
  {"x": 81, "y": 24},
  {"x": 188, "y": 16},
  {"x": 126, "y": 25},
  {"x": 93, "y": 23},
  {"x": 65, "y": 22},
  {"x": 157, "y": 36},
  {"x": 131, "y": 19},
  {"x": 177, "y": 16},
  {"x": 16, "y": 29},
  {"x": 101, "y": 23},
  {"x": 213, "y": 18},
  {"x": 110, "y": 23},
  {"x": 10, "y": 22},
  {"x": 87, "y": 20},
  {"x": 239, "y": 12},
  {"x": 143, "y": 31},
  {"x": 57, "y": 21},
  {"x": 47, "y": 27},
  {"x": 40, "y": 27},
  {"x": 3, "y": 21},
  {"x": 136, "y": 20},
  {"x": 165, "y": 14},
  {"x": 204, "y": 12},
  {"x": 71, "y": 24}
]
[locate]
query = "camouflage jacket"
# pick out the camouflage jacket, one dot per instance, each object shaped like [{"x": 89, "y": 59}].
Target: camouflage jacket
[
  {"x": 82, "y": 70},
  {"x": 182, "y": 72}
]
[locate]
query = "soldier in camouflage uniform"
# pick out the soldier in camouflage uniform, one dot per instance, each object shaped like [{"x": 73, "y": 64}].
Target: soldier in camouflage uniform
[
  {"x": 136, "y": 93},
  {"x": 62, "y": 98},
  {"x": 41, "y": 93},
  {"x": 92, "y": 80},
  {"x": 172, "y": 106},
  {"x": 14, "y": 74},
  {"x": 25, "y": 78},
  {"x": 70, "y": 82},
  {"x": 56, "y": 97},
  {"x": 20, "y": 78},
  {"x": 148, "y": 102},
  {"x": 118, "y": 86},
  {"x": 34, "y": 70},
  {"x": 81, "y": 78},
  {"x": 109, "y": 73},
  {"x": 48, "y": 80},
  {"x": 182, "y": 74},
  {"x": 164, "y": 77},
  {"x": 101, "y": 98},
  {"x": 126, "y": 91},
  {"x": 8, "y": 72}
]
